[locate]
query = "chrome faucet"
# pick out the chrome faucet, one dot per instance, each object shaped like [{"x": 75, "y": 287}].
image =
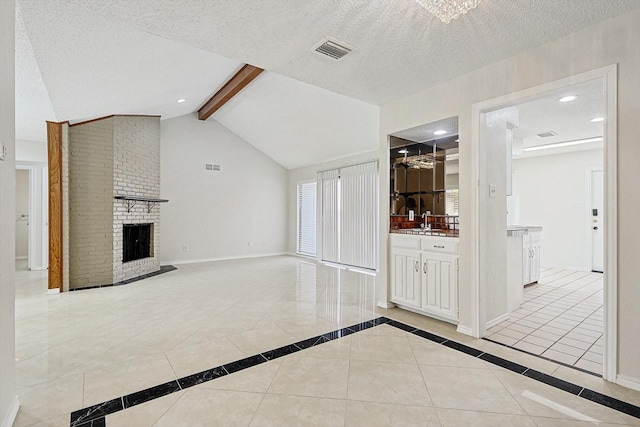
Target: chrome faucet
[{"x": 424, "y": 224}]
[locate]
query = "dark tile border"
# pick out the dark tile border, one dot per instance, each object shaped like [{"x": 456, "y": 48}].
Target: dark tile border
[
  {"x": 94, "y": 416},
  {"x": 163, "y": 269},
  {"x": 86, "y": 416},
  {"x": 585, "y": 393},
  {"x": 545, "y": 358}
]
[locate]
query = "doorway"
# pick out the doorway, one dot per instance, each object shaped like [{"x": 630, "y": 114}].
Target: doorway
[
  {"x": 490, "y": 209},
  {"x": 22, "y": 218},
  {"x": 32, "y": 215}
]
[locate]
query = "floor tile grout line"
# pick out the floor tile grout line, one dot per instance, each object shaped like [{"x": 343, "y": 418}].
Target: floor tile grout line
[
  {"x": 566, "y": 365},
  {"x": 564, "y": 296},
  {"x": 559, "y": 315}
]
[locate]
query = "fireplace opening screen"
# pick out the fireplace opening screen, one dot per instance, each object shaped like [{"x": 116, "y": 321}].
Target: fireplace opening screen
[{"x": 136, "y": 242}]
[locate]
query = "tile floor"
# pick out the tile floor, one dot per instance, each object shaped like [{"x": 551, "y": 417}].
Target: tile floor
[
  {"x": 561, "y": 319},
  {"x": 77, "y": 349}
]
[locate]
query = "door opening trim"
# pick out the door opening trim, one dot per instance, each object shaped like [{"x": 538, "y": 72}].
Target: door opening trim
[{"x": 478, "y": 175}]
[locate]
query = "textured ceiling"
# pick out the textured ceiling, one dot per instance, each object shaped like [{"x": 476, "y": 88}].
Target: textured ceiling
[
  {"x": 33, "y": 106},
  {"x": 81, "y": 59},
  {"x": 401, "y": 48}
]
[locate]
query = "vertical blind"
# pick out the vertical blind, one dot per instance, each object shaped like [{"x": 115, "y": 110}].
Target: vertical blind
[
  {"x": 349, "y": 206},
  {"x": 307, "y": 219}
]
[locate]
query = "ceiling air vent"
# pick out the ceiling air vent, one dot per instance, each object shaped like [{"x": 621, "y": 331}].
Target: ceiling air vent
[
  {"x": 333, "y": 49},
  {"x": 211, "y": 167},
  {"x": 547, "y": 134}
]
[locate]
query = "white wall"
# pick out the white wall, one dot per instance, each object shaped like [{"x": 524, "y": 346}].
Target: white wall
[
  {"x": 238, "y": 212},
  {"x": 493, "y": 131},
  {"x": 31, "y": 151},
  {"x": 8, "y": 399},
  {"x": 553, "y": 191},
  {"x": 22, "y": 208},
  {"x": 310, "y": 173},
  {"x": 615, "y": 41}
]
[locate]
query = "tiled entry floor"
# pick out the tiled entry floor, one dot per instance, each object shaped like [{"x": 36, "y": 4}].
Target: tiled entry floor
[{"x": 561, "y": 319}]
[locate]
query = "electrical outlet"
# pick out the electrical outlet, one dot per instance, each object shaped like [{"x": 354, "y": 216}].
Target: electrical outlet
[
  {"x": 185, "y": 248},
  {"x": 3, "y": 151}
]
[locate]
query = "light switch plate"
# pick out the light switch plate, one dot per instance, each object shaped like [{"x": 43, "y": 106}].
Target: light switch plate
[
  {"x": 3, "y": 151},
  {"x": 492, "y": 190}
]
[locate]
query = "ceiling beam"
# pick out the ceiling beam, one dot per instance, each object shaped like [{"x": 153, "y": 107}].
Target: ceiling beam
[{"x": 235, "y": 84}]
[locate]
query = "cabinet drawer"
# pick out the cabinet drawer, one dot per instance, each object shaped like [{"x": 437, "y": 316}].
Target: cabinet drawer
[
  {"x": 535, "y": 237},
  {"x": 445, "y": 245},
  {"x": 399, "y": 241}
]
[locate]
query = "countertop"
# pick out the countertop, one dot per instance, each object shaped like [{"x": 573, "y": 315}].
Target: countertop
[
  {"x": 423, "y": 232},
  {"x": 521, "y": 230}
]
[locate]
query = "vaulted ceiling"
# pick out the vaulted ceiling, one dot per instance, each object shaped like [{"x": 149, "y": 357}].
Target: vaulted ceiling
[{"x": 81, "y": 59}]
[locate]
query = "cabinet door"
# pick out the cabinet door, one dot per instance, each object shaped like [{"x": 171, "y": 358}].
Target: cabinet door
[
  {"x": 440, "y": 284},
  {"x": 398, "y": 276},
  {"x": 534, "y": 273},
  {"x": 405, "y": 277},
  {"x": 413, "y": 279},
  {"x": 526, "y": 264}
]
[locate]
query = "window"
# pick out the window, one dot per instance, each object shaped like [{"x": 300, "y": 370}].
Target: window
[
  {"x": 349, "y": 207},
  {"x": 307, "y": 219}
]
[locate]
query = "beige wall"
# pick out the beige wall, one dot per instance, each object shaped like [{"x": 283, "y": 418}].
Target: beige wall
[
  {"x": 612, "y": 42},
  {"x": 8, "y": 400},
  {"x": 91, "y": 204}
]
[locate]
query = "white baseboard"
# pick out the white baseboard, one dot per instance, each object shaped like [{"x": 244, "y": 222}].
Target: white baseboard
[
  {"x": 494, "y": 322},
  {"x": 197, "y": 261},
  {"x": 53, "y": 291},
  {"x": 11, "y": 415},
  {"x": 465, "y": 330},
  {"x": 629, "y": 382}
]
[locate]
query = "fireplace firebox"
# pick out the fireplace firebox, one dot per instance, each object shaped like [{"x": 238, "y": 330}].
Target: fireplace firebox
[{"x": 136, "y": 242}]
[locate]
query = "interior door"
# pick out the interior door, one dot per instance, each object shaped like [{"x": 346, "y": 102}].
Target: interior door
[{"x": 597, "y": 221}]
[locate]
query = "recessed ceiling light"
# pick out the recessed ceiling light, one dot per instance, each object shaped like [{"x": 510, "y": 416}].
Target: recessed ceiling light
[
  {"x": 562, "y": 144},
  {"x": 597, "y": 120},
  {"x": 440, "y": 132},
  {"x": 405, "y": 151},
  {"x": 568, "y": 98},
  {"x": 181, "y": 100}
]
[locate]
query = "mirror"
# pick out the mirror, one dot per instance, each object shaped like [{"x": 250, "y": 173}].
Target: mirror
[{"x": 424, "y": 172}]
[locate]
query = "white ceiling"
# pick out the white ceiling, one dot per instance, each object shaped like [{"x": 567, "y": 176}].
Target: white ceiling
[
  {"x": 298, "y": 123},
  {"x": 91, "y": 58},
  {"x": 570, "y": 120}
]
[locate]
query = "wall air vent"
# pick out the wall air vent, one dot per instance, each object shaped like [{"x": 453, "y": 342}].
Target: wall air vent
[
  {"x": 547, "y": 134},
  {"x": 333, "y": 48},
  {"x": 211, "y": 167}
]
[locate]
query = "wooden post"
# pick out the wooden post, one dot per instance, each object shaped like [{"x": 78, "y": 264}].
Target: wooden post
[{"x": 54, "y": 146}]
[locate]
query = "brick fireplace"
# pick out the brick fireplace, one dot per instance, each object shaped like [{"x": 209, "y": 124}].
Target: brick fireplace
[{"x": 109, "y": 157}]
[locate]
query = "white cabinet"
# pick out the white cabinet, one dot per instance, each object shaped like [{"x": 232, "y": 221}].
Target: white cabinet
[
  {"x": 440, "y": 284},
  {"x": 424, "y": 274},
  {"x": 405, "y": 275},
  {"x": 531, "y": 257}
]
